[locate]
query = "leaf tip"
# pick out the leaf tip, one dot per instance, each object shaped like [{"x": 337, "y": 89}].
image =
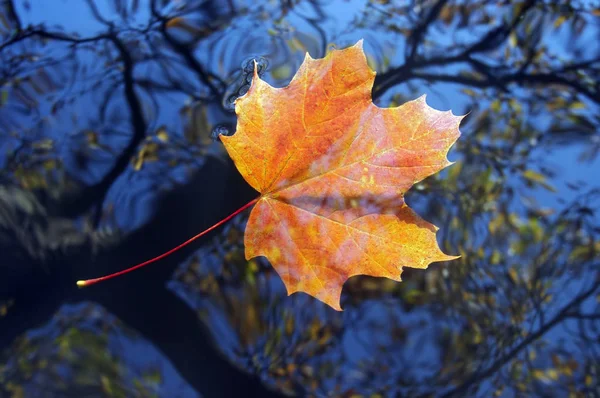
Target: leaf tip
[
  {"x": 331, "y": 297},
  {"x": 465, "y": 115},
  {"x": 255, "y": 80},
  {"x": 448, "y": 257},
  {"x": 333, "y": 302}
]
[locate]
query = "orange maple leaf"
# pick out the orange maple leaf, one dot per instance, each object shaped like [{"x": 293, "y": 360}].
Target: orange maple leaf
[{"x": 332, "y": 169}]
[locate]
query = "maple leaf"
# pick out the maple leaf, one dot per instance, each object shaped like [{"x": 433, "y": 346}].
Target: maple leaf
[{"x": 332, "y": 169}]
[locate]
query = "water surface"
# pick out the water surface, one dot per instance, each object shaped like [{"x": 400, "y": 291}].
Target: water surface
[{"x": 108, "y": 117}]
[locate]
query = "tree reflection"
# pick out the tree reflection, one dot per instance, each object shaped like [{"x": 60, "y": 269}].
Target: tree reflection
[
  {"x": 445, "y": 331},
  {"x": 79, "y": 353},
  {"x": 106, "y": 142}
]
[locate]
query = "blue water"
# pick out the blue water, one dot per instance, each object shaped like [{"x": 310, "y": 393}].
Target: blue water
[{"x": 108, "y": 114}]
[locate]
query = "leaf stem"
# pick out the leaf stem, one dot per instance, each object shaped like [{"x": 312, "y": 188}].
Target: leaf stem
[{"x": 89, "y": 282}]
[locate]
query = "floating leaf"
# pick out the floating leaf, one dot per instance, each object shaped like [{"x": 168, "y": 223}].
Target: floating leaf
[{"x": 332, "y": 169}]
